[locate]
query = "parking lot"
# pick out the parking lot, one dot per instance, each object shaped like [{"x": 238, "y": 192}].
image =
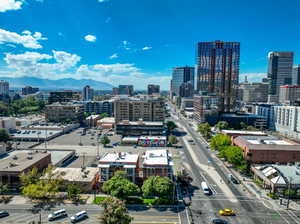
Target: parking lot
[{"x": 76, "y": 138}]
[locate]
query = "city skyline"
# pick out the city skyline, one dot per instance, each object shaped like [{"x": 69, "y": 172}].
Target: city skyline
[{"x": 109, "y": 44}]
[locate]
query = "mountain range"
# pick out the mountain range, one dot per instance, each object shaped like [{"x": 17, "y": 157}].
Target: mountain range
[{"x": 47, "y": 84}]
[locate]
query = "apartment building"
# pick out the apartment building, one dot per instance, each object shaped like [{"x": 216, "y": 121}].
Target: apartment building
[
  {"x": 59, "y": 112},
  {"x": 138, "y": 166},
  {"x": 289, "y": 94},
  {"x": 134, "y": 109}
]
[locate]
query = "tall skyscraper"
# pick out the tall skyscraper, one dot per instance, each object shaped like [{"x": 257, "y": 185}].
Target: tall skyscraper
[
  {"x": 87, "y": 93},
  {"x": 180, "y": 76},
  {"x": 153, "y": 89},
  {"x": 279, "y": 73},
  {"x": 218, "y": 71},
  {"x": 4, "y": 87},
  {"x": 126, "y": 90},
  {"x": 296, "y": 75}
]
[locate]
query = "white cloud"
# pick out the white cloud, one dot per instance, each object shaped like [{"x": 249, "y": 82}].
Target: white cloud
[
  {"x": 90, "y": 38},
  {"x": 126, "y": 44},
  {"x": 101, "y": 1},
  {"x": 61, "y": 64},
  {"x": 146, "y": 48},
  {"x": 252, "y": 77},
  {"x": 26, "y": 32},
  {"x": 6, "y": 5},
  {"x": 27, "y": 40},
  {"x": 113, "y": 56}
]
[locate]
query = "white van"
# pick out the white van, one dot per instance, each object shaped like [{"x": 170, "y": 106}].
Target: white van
[
  {"x": 205, "y": 188},
  {"x": 79, "y": 216},
  {"x": 57, "y": 214}
]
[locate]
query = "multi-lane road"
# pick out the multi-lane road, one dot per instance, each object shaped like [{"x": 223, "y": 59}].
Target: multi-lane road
[{"x": 204, "y": 166}]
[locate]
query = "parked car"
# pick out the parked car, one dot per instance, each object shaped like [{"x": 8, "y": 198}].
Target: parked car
[
  {"x": 79, "y": 216},
  {"x": 219, "y": 221},
  {"x": 233, "y": 179},
  {"x": 3, "y": 213},
  {"x": 57, "y": 214}
]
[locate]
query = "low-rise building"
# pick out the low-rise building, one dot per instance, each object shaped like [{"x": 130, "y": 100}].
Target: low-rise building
[
  {"x": 236, "y": 133},
  {"x": 268, "y": 149},
  {"x": 12, "y": 166},
  {"x": 138, "y": 128},
  {"x": 152, "y": 141},
  {"x": 91, "y": 121},
  {"x": 2, "y": 148},
  {"x": 112, "y": 162},
  {"x": 60, "y": 112},
  {"x": 85, "y": 178},
  {"x": 156, "y": 163},
  {"x": 35, "y": 135},
  {"x": 138, "y": 166},
  {"x": 278, "y": 178},
  {"x": 106, "y": 123},
  {"x": 8, "y": 123}
]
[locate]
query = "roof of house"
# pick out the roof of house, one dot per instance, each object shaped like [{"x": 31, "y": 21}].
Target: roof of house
[
  {"x": 20, "y": 161},
  {"x": 156, "y": 157},
  {"x": 76, "y": 174},
  {"x": 120, "y": 157}
]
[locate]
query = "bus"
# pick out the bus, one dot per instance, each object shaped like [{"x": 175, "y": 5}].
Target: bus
[{"x": 205, "y": 188}]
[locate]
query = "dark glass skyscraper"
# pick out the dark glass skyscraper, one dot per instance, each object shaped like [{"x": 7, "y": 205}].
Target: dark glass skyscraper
[
  {"x": 279, "y": 73},
  {"x": 181, "y": 76},
  {"x": 218, "y": 71}
]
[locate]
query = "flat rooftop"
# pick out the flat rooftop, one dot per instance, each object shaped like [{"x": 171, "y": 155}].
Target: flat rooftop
[
  {"x": 144, "y": 123},
  {"x": 108, "y": 119},
  {"x": 57, "y": 156},
  {"x": 156, "y": 157},
  {"x": 20, "y": 161},
  {"x": 243, "y": 132},
  {"x": 27, "y": 133},
  {"x": 76, "y": 174},
  {"x": 121, "y": 157}
]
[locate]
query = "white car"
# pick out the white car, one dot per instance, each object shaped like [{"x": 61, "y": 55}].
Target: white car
[
  {"x": 79, "y": 216},
  {"x": 57, "y": 214}
]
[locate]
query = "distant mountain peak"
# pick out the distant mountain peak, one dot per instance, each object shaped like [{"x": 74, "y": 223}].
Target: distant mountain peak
[{"x": 65, "y": 83}]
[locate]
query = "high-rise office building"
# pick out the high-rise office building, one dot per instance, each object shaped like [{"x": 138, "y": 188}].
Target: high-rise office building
[
  {"x": 125, "y": 90},
  {"x": 87, "y": 93},
  {"x": 4, "y": 87},
  {"x": 296, "y": 75},
  {"x": 153, "y": 89},
  {"x": 218, "y": 71},
  {"x": 279, "y": 73},
  {"x": 180, "y": 76},
  {"x": 29, "y": 90}
]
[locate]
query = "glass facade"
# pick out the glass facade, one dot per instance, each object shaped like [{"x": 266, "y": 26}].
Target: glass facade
[
  {"x": 180, "y": 76},
  {"x": 218, "y": 71}
]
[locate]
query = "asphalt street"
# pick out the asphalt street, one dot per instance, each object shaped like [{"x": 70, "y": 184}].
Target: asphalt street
[
  {"x": 249, "y": 209},
  {"x": 23, "y": 214}
]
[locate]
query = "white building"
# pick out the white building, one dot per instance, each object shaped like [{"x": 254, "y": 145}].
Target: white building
[
  {"x": 8, "y": 123},
  {"x": 87, "y": 93}
]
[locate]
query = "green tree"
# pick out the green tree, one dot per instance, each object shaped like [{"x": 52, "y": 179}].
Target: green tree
[
  {"x": 234, "y": 155},
  {"x": 73, "y": 192},
  {"x": 31, "y": 177},
  {"x": 102, "y": 115},
  {"x": 3, "y": 189},
  {"x": 115, "y": 212},
  {"x": 205, "y": 130},
  {"x": 172, "y": 139},
  {"x": 119, "y": 186},
  {"x": 218, "y": 141},
  {"x": 4, "y": 136},
  {"x": 222, "y": 125},
  {"x": 104, "y": 141},
  {"x": 243, "y": 126},
  {"x": 157, "y": 186},
  {"x": 171, "y": 125},
  {"x": 251, "y": 128}
]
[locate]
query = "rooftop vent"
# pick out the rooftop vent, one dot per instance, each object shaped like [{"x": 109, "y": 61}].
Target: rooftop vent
[
  {"x": 15, "y": 157},
  {"x": 29, "y": 157}
]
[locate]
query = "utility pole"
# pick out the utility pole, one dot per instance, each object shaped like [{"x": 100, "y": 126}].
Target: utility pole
[
  {"x": 289, "y": 192},
  {"x": 83, "y": 159}
]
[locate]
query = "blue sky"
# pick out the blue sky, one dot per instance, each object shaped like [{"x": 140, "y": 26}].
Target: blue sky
[{"x": 138, "y": 41}]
